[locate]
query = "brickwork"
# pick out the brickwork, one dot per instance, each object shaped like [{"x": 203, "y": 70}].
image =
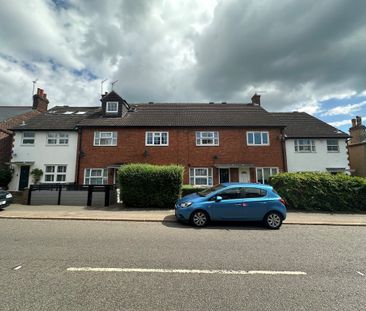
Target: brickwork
[{"x": 182, "y": 150}]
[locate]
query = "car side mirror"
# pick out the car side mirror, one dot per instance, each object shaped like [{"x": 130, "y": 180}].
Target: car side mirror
[{"x": 218, "y": 199}]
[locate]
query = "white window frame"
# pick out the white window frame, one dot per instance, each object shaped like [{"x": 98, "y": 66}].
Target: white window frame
[
  {"x": 306, "y": 145},
  {"x": 59, "y": 138},
  {"x": 107, "y": 107},
  {"x": 113, "y": 136},
  {"x": 57, "y": 171},
  {"x": 261, "y": 133},
  {"x": 88, "y": 176},
  {"x": 333, "y": 145},
  {"x": 271, "y": 169},
  {"x": 28, "y": 138},
  {"x": 159, "y": 136},
  {"x": 193, "y": 176},
  {"x": 202, "y": 136}
]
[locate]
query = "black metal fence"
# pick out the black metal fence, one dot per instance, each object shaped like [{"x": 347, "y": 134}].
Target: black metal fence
[{"x": 72, "y": 194}]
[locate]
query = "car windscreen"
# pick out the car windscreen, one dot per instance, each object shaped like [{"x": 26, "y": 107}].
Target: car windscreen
[{"x": 207, "y": 191}]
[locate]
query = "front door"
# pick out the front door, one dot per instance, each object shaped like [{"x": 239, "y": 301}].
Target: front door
[
  {"x": 224, "y": 175},
  {"x": 244, "y": 176},
  {"x": 24, "y": 177}
]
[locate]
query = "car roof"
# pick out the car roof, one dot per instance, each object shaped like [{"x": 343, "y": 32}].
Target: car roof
[{"x": 240, "y": 184}]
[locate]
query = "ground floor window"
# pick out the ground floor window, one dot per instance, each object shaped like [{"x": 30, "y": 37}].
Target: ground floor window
[
  {"x": 55, "y": 173},
  {"x": 96, "y": 176},
  {"x": 201, "y": 176},
  {"x": 263, "y": 174}
]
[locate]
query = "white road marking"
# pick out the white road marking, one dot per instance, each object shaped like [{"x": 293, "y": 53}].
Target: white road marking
[
  {"x": 185, "y": 271},
  {"x": 360, "y": 273},
  {"x": 17, "y": 267}
]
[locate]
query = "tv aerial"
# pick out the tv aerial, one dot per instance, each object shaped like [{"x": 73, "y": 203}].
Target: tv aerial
[{"x": 113, "y": 83}]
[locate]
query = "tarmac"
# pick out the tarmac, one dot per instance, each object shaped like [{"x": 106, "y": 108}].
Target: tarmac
[{"x": 120, "y": 213}]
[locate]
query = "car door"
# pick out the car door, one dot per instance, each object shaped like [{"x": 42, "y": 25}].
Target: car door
[
  {"x": 229, "y": 208},
  {"x": 254, "y": 203}
]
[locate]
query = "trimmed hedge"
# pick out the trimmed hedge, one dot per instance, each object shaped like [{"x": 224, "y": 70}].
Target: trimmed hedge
[
  {"x": 146, "y": 185},
  {"x": 188, "y": 189},
  {"x": 321, "y": 191}
]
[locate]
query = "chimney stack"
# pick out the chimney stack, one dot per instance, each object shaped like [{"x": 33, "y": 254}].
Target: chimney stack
[
  {"x": 256, "y": 99},
  {"x": 357, "y": 131},
  {"x": 40, "y": 101}
]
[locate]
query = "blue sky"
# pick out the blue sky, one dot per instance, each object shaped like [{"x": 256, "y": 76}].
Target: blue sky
[{"x": 299, "y": 55}]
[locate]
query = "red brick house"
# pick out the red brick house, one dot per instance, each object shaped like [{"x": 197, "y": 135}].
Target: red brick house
[
  {"x": 215, "y": 142},
  {"x": 11, "y": 116}
]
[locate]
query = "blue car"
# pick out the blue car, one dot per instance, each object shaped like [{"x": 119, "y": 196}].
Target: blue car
[{"x": 233, "y": 202}]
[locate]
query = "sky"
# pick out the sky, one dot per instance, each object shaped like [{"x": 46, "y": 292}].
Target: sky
[{"x": 298, "y": 55}]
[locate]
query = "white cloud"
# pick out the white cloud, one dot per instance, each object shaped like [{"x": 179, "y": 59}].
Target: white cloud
[
  {"x": 297, "y": 54},
  {"x": 345, "y": 110},
  {"x": 343, "y": 122}
]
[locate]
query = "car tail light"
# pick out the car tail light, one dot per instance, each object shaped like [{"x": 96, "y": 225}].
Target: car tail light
[{"x": 283, "y": 202}]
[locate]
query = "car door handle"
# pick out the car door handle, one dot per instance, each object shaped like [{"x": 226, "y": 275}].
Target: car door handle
[{"x": 239, "y": 204}]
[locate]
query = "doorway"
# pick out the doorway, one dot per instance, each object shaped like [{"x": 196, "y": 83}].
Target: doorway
[
  {"x": 244, "y": 175},
  {"x": 224, "y": 175},
  {"x": 24, "y": 177}
]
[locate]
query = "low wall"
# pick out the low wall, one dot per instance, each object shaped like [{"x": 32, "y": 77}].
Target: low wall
[{"x": 79, "y": 198}]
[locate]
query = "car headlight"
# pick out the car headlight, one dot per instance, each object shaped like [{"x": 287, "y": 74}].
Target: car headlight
[
  {"x": 185, "y": 204},
  {"x": 9, "y": 196}
]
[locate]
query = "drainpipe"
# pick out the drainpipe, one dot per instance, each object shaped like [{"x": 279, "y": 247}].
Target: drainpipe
[
  {"x": 78, "y": 155},
  {"x": 283, "y": 145}
]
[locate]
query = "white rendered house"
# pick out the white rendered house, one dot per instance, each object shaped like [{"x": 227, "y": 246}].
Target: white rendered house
[
  {"x": 313, "y": 145},
  {"x": 48, "y": 142}
]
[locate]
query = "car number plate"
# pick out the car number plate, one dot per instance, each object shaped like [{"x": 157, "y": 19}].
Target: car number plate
[{"x": 2, "y": 202}]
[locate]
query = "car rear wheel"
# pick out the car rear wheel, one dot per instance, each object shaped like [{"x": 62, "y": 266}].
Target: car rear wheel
[
  {"x": 273, "y": 220},
  {"x": 199, "y": 219}
]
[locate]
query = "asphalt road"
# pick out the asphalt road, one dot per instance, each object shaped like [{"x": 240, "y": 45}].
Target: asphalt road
[{"x": 35, "y": 257}]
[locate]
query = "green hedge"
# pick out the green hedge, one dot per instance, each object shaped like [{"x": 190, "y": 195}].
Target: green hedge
[
  {"x": 188, "y": 189},
  {"x": 321, "y": 191},
  {"x": 145, "y": 185}
]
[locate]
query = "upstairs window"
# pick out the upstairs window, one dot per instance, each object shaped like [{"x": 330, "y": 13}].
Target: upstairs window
[
  {"x": 157, "y": 139},
  {"x": 96, "y": 176},
  {"x": 28, "y": 138},
  {"x": 258, "y": 138},
  {"x": 332, "y": 145},
  {"x": 55, "y": 173},
  {"x": 304, "y": 145},
  {"x": 57, "y": 138},
  {"x": 112, "y": 107},
  {"x": 207, "y": 138},
  {"x": 105, "y": 138}
]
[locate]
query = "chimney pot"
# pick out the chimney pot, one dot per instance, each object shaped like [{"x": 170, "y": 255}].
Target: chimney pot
[{"x": 358, "y": 121}]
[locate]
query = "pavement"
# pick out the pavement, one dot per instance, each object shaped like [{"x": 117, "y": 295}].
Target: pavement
[{"x": 120, "y": 213}]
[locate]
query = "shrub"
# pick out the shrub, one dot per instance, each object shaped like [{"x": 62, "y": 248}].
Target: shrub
[
  {"x": 321, "y": 191},
  {"x": 36, "y": 173},
  {"x": 145, "y": 185},
  {"x": 5, "y": 176},
  {"x": 188, "y": 189}
]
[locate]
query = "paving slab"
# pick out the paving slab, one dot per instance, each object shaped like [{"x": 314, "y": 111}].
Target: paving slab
[{"x": 120, "y": 213}]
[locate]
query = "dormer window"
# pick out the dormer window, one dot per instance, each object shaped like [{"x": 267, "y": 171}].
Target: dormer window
[{"x": 112, "y": 107}]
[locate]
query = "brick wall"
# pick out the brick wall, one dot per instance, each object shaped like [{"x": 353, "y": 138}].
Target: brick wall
[{"x": 182, "y": 150}]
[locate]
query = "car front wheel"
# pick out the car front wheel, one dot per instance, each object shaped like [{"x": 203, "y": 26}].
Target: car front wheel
[
  {"x": 199, "y": 219},
  {"x": 273, "y": 220}
]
